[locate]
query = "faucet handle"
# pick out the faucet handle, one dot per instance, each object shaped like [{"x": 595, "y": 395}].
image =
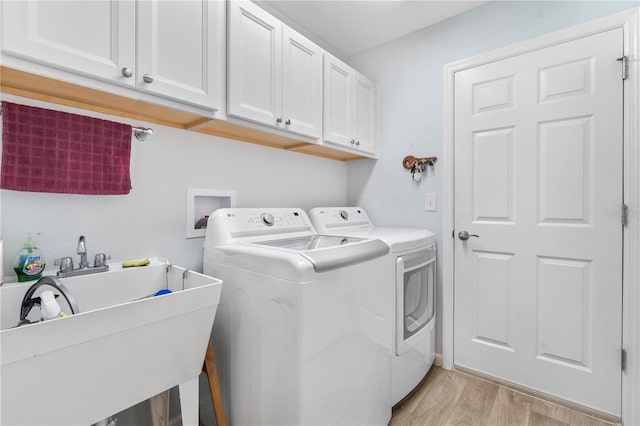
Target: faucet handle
[
  {"x": 82, "y": 248},
  {"x": 100, "y": 259},
  {"x": 65, "y": 263}
]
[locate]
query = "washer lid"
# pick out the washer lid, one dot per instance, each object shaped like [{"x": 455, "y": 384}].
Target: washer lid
[{"x": 327, "y": 252}]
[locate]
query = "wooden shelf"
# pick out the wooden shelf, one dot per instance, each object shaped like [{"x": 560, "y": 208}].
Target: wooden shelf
[{"x": 33, "y": 86}]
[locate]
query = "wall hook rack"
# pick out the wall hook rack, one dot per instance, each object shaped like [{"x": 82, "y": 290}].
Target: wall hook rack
[{"x": 417, "y": 165}]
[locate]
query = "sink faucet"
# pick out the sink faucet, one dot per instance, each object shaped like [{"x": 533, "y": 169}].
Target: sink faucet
[
  {"x": 66, "y": 263},
  {"x": 28, "y": 301},
  {"x": 82, "y": 251}
]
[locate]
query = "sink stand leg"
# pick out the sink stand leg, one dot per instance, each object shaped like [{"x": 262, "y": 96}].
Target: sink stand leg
[{"x": 189, "y": 402}]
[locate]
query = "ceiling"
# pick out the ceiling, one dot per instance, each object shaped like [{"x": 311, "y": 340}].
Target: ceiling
[{"x": 350, "y": 27}]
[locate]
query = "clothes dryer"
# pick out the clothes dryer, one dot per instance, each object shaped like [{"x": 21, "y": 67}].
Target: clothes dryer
[
  {"x": 302, "y": 335},
  {"x": 411, "y": 272}
]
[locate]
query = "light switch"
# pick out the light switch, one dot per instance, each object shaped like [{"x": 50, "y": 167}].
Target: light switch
[{"x": 430, "y": 201}]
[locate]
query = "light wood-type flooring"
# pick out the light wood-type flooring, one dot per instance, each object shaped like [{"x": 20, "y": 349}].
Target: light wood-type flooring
[{"x": 447, "y": 397}]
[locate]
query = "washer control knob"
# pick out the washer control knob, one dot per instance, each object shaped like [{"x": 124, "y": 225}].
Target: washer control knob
[
  {"x": 267, "y": 219},
  {"x": 344, "y": 214}
]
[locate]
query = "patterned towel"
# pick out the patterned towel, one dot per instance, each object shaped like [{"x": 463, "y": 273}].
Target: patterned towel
[{"x": 53, "y": 151}]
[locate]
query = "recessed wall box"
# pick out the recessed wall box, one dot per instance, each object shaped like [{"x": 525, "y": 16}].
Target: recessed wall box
[{"x": 200, "y": 203}]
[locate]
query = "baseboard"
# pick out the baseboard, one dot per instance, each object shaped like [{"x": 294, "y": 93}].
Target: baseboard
[{"x": 438, "y": 360}]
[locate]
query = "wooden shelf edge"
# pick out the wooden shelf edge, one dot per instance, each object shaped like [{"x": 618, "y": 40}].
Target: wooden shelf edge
[
  {"x": 27, "y": 85},
  {"x": 33, "y": 86}
]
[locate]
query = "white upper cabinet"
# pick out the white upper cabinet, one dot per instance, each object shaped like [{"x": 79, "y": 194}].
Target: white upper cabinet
[
  {"x": 338, "y": 102},
  {"x": 274, "y": 74},
  {"x": 172, "y": 49},
  {"x": 364, "y": 113},
  {"x": 349, "y": 107},
  {"x": 253, "y": 68},
  {"x": 178, "y": 49},
  {"x": 94, "y": 38}
]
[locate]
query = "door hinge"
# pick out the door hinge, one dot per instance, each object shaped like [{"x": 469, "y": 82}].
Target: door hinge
[
  {"x": 625, "y": 66},
  {"x": 624, "y": 215},
  {"x": 623, "y": 359}
]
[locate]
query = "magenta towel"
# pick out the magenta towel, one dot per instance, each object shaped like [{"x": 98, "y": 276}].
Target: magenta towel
[{"x": 52, "y": 151}]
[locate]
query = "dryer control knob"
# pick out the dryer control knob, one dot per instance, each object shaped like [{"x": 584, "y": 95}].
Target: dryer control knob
[
  {"x": 344, "y": 214},
  {"x": 267, "y": 219}
]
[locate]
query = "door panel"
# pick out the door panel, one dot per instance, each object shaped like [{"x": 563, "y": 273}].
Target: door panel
[
  {"x": 301, "y": 84},
  {"x": 491, "y": 282},
  {"x": 563, "y": 315},
  {"x": 364, "y": 113},
  {"x": 178, "y": 46},
  {"x": 538, "y": 176},
  {"x": 337, "y": 104},
  {"x": 493, "y": 185},
  {"x": 254, "y": 63},
  {"x": 95, "y": 38}
]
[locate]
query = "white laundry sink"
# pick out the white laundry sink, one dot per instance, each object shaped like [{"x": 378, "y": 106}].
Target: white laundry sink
[{"x": 119, "y": 350}]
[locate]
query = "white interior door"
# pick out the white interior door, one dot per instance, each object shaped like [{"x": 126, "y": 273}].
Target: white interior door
[{"x": 538, "y": 178}]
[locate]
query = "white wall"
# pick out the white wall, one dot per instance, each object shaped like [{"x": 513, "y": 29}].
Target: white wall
[
  {"x": 150, "y": 220},
  {"x": 409, "y": 73}
]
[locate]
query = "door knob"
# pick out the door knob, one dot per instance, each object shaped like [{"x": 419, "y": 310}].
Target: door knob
[
  {"x": 147, "y": 78},
  {"x": 464, "y": 235},
  {"x": 126, "y": 72}
]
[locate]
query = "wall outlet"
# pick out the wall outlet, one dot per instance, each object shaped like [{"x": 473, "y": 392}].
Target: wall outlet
[{"x": 430, "y": 201}]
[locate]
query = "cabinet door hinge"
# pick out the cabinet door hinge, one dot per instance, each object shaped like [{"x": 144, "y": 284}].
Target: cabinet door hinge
[
  {"x": 625, "y": 66},
  {"x": 624, "y": 215},
  {"x": 623, "y": 359}
]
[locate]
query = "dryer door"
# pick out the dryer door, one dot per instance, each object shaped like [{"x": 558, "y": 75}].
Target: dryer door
[{"x": 415, "y": 296}]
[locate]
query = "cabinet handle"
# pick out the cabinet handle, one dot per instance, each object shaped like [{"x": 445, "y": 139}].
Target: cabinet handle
[
  {"x": 353, "y": 141},
  {"x": 357, "y": 143},
  {"x": 288, "y": 121},
  {"x": 279, "y": 120},
  {"x": 126, "y": 72},
  {"x": 147, "y": 78}
]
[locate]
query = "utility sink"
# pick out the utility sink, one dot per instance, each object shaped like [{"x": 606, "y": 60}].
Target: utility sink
[{"x": 120, "y": 349}]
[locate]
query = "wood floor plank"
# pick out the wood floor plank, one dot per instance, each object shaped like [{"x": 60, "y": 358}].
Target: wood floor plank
[
  {"x": 404, "y": 408},
  {"x": 473, "y": 407},
  {"x": 437, "y": 401},
  {"x": 538, "y": 419},
  {"x": 510, "y": 408},
  {"x": 565, "y": 415},
  {"x": 448, "y": 397}
]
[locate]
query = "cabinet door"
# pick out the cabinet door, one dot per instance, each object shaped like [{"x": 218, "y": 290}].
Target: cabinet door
[
  {"x": 179, "y": 49},
  {"x": 301, "y": 84},
  {"x": 254, "y": 64},
  {"x": 95, "y": 38},
  {"x": 365, "y": 114},
  {"x": 338, "y": 106}
]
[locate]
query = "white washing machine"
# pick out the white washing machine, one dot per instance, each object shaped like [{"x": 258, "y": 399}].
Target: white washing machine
[
  {"x": 411, "y": 270},
  {"x": 302, "y": 334}
]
